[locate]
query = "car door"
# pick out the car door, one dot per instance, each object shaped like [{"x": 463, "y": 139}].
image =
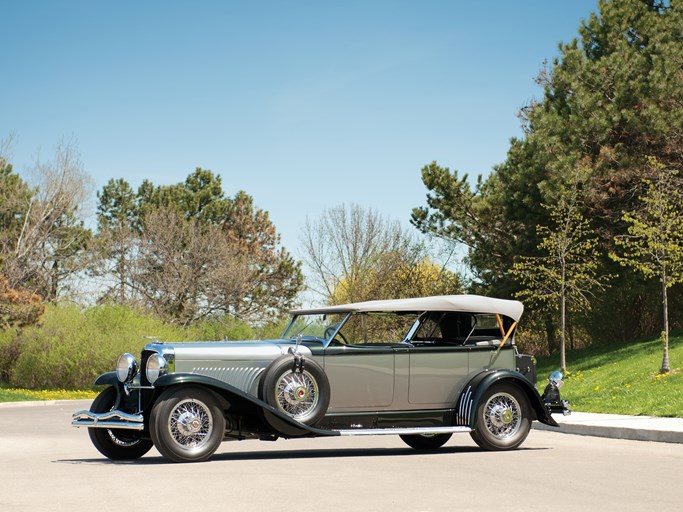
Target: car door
[
  {"x": 437, "y": 374},
  {"x": 361, "y": 376}
]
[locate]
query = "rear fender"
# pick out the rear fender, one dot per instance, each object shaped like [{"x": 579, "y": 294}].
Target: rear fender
[{"x": 470, "y": 397}]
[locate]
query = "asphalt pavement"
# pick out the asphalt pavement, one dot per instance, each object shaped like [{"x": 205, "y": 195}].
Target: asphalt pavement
[
  {"x": 614, "y": 426},
  {"x": 49, "y": 466}
]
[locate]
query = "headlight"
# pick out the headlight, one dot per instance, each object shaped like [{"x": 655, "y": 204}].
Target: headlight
[
  {"x": 126, "y": 367},
  {"x": 156, "y": 367}
]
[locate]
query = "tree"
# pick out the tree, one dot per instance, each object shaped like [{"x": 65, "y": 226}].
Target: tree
[
  {"x": 42, "y": 233},
  {"x": 355, "y": 254},
  {"x": 180, "y": 265},
  {"x": 475, "y": 218},
  {"x": 187, "y": 251},
  {"x": 653, "y": 246},
  {"x": 565, "y": 275},
  {"x": 117, "y": 215},
  {"x": 613, "y": 95}
]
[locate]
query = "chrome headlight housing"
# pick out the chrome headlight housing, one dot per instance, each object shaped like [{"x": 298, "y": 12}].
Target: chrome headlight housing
[
  {"x": 556, "y": 378},
  {"x": 126, "y": 368},
  {"x": 156, "y": 367}
]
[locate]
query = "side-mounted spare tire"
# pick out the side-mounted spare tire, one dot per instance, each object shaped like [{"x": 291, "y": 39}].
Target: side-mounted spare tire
[{"x": 297, "y": 387}]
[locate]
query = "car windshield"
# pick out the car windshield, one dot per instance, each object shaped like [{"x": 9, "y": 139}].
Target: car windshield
[{"x": 320, "y": 327}]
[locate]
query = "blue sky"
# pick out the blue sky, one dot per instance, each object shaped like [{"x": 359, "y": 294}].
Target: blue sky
[{"x": 302, "y": 104}]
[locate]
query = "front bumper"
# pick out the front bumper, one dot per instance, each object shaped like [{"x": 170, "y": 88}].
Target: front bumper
[
  {"x": 111, "y": 419},
  {"x": 559, "y": 407}
]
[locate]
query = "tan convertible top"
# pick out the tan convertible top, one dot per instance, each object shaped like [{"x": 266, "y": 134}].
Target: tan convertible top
[{"x": 465, "y": 303}]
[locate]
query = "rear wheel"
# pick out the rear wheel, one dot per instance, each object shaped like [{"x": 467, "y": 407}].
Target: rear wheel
[
  {"x": 187, "y": 424},
  {"x": 116, "y": 444},
  {"x": 503, "y": 418},
  {"x": 425, "y": 441}
]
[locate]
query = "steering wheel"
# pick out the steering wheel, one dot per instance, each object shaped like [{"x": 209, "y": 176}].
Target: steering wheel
[{"x": 330, "y": 330}]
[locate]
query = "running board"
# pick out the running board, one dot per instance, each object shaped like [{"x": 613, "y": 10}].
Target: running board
[{"x": 403, "y": 431}]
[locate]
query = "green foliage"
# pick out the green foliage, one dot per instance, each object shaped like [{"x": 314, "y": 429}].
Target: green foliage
[
  {"x": 567, "y": 268},
  {"x": 72, "y": 347},
  {"x": 618, "y": 379},
  {"x": 654, "y": 243},
  {"x": 117, "y": 205},
  {"x": 565, "y": 276},
  {"x": 612, "y": 96},
  {"x": 186, "y": 251},
  {"x": 472, "y": 217}
]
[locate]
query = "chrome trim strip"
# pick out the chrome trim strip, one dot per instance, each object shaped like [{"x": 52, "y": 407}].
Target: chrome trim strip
[
  {"x": 108, "y": 424},
  {"x": 111, "y": 419},
  {"x": 411, "y": 430},
  {"x": 243, "y": 378},
  {"x": 465, "y": 404}
]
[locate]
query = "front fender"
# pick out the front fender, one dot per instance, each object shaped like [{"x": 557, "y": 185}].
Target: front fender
[
  {"x": 468, "y": 402},
  {"x": 230, "y": 393},
  {"x": 107, "y": 379}
]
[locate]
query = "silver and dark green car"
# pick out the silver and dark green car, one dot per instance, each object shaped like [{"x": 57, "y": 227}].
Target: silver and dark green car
[{"x": 421, "y": 368}]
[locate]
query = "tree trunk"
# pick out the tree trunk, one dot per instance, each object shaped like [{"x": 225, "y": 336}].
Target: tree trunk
[
  {"x": 550, "y": 333},
  {"x": 570, "y": 331},
  {"x": 665, "y": 332},
  {"x": 563, "y": 328},
  {"x": 54, "y": 282}
]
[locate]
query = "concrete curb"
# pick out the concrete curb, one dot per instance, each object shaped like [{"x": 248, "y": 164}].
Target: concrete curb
[{"x": 616, "y": 426}]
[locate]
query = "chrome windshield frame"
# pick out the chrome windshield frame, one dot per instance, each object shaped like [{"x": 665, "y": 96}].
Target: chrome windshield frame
[{"x": 326, "y": 342}]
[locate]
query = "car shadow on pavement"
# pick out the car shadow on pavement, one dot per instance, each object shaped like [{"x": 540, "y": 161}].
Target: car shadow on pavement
[{"x": 304, "y": 454}]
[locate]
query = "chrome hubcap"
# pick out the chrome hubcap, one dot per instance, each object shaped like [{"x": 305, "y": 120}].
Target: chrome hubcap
[
  {"x": 502, "y": 415},
  {"x": 297, "y": 393},
  {"x": 190, "y": 424}
]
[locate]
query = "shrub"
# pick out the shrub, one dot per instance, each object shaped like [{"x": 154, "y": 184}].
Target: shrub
[{"x": 73, "y": 346}]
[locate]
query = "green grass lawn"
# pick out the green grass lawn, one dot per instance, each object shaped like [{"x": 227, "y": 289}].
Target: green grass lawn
[{"x": 622, "y": 379}]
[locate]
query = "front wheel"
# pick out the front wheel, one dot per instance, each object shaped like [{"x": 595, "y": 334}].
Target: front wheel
[
  {"x": 425, "y": 441},
  {"x": 116, "y": 444},
  {"x": 502, "y": 419},
  {"x": 187, "y": 424}
]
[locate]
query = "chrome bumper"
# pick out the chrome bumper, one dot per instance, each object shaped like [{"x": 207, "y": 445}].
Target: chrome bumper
[{"x": 111, "y": 419}]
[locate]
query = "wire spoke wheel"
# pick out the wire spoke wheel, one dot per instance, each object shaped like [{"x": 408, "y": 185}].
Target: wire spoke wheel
[
  {"x": 296, "y": 393},
  {"x": 187, "y": 423},
  {"x": 190, "y": 423},
  {"x": 300, "y": 391},
  {"x": 502, "y": 415}
]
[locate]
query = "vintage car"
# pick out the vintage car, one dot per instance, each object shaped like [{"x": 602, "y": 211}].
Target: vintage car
[{"x": 421, "y": 368}]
